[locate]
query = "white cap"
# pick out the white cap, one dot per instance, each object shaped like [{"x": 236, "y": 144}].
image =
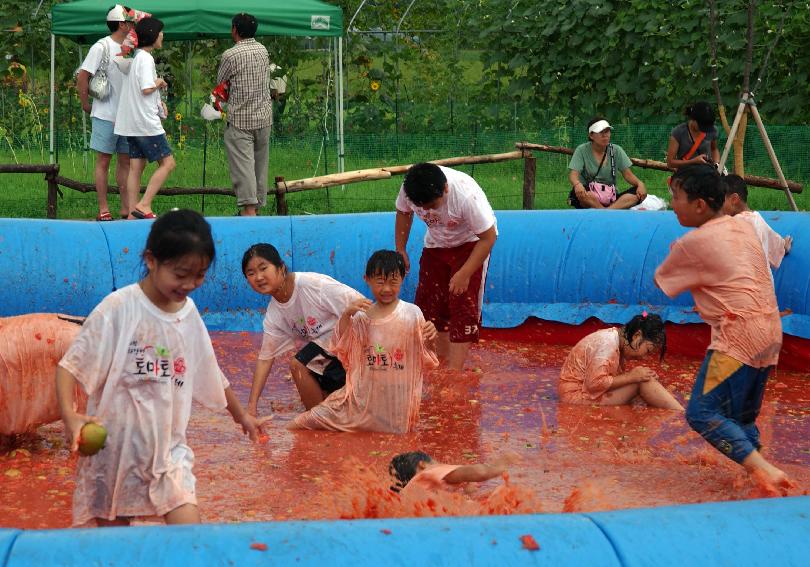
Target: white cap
[
  {"x": 598, "y": 126},
  {"x": 117, "y": 14}
]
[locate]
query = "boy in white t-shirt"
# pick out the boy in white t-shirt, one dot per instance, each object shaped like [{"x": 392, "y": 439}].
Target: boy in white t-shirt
[
  {"x": 461, "y": 233},
  {"x": 102, "y": 112},
  {"x": 139, "y": 114},
  {"x": 736, "y": 205}
]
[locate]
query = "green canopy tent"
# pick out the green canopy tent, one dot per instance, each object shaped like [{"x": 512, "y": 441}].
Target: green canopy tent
[{"x": 84, "y": 22}]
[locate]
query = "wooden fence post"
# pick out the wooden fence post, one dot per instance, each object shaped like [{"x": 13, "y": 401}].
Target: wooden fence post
[
  {"x": 281, "y": 201},
  {"x": 53, "y": 191},
  {"x": 529, "y": 177}
]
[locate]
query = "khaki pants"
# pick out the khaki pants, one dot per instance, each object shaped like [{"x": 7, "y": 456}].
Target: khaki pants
[{"x": 248, "y": 154}]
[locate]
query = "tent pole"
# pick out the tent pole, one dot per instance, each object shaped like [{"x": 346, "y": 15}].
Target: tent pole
[
  {"x": 341, "y": 148},
  {"x": 52, "y": 99}
]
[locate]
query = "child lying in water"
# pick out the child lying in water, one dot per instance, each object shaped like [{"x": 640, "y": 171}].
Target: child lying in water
[{"x": 417, "y": 468}]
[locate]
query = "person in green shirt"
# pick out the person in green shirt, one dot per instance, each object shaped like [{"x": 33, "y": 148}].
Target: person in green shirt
[{"x": 593, "y": 168}]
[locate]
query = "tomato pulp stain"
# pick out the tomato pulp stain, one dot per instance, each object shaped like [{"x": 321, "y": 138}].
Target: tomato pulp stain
[{"x": 575, "y": 458}]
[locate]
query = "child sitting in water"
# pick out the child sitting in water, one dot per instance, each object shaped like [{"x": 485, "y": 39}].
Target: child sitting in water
[
  {"x": 384, "y": 348},
  {"x": 724, "y": 266},
  {"x": 736, "y": 205},
  {"x": 593, "y": 372},
  {"x": 417, "y": 468}
]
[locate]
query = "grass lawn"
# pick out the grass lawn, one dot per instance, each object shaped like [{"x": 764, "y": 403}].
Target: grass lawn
[{"x": 304, "y": 156}]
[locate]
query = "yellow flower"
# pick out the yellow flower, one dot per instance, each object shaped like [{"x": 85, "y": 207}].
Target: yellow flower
[
  {"x": 178, "y": 116},
  {"x": 375, "y": 85},
  {"x": 182, "y": 139}
]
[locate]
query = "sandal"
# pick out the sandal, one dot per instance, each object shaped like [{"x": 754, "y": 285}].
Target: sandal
[
  {"x": 140, "y": 215},
  {"x": 104, "y": 217}
]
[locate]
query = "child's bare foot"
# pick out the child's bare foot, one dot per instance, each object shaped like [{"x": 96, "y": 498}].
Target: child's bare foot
[
  {"x": 788, "y": 243},
  {"x": 769, "y": 485}
]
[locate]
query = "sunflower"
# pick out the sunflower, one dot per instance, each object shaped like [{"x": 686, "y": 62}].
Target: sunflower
[
  {"x": 375, "y": 85},
  {"x": 178, "y": 117}
]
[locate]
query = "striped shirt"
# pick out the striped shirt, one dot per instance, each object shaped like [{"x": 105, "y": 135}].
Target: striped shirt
[{"x": 246, "y": 65}]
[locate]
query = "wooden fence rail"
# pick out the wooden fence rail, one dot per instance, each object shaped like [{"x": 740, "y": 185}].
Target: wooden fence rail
[
  {"x": 753, "y": 180},
  {"x": 524, "y": 151}
]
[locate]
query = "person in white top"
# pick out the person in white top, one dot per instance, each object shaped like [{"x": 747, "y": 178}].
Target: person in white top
[
  {"x": 141, "y": 357},
  {"x": 102, "y": 112},
  {"x": 461, "y": 231},
  {"x": 305, "y": 307},
  {"x": 139, "y": 119},
  {"x": 736, "y": 205}
]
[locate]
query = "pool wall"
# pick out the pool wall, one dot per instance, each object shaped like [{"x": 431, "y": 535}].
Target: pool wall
[
  {"x": 559, "y": 266},
  {"x": 755, "y": 532}
]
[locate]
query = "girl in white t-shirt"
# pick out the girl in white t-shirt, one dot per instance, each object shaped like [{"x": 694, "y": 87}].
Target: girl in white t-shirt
[
  {"x": 142, "y": 356},
  {"x": 305, "y": 307}
]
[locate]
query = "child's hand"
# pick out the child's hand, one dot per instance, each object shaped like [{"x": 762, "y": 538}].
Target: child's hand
[
  {"x": 505, "y": 460},
  {"x": 160, "y": 83},
  {"x": 361, "y": 304},
  {"x": 788, "y": 243},
  {"x": 429, "y": 332},
  {"x": 643, "y": 374},
  {"x": 73, "y": 428},
  {"x": 252, "y": 426}
]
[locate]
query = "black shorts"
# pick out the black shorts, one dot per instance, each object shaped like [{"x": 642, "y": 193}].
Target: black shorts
[
  {"x": 574, "y": 202},
  {"x": 334, "y": 375}
]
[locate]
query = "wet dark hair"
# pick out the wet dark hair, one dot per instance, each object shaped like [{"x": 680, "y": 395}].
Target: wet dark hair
[
  {"x": 148, "y": 31},
  {"x": 424, "y": 183},
  {"x": 265, "y": 251},
  {"x": 180, "y": 233},
  {"x": 651, "y": 327},
  {"x": 385, "y": 263},
  {"x": 403, "y": 467},
  {"x": 701, "y": 181},
  {"x": 735, "y": 185},
  {"x": 245, "y": 25},
  {"x": 702, "y": 113}
]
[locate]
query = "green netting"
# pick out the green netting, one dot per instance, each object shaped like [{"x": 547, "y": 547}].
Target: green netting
[{"x": 201, "y": 162}]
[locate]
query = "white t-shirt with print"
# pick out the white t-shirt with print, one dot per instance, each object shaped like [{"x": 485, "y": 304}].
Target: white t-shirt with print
[
  {"x": 141, "y": 368},
  {"x": 772, "y": 243},
  {"x": 310, "y": 315},
  {"x": 137, "y": 112},
  {"x": 463, "y": 215},
  {"x": 105, "y": 109}
]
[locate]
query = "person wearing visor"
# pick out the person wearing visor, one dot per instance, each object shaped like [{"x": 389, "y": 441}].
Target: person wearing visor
[
  {"x": 593, "y": 169},
  {"x": 694, "y": 141}
]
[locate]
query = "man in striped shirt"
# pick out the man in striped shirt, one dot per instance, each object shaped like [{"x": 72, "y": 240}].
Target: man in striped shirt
[{"x": 246, "y": 67}]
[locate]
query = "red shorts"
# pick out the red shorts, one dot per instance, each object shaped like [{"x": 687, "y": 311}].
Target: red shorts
[{"x": 458, "y": 315}]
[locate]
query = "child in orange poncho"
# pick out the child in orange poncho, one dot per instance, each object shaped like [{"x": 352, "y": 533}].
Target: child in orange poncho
[
  {"x": 593, "y": 372},
  {"x": 384, "y": 348}
]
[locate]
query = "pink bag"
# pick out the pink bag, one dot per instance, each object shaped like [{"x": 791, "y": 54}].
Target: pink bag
[{"x": 605, "y": 193}]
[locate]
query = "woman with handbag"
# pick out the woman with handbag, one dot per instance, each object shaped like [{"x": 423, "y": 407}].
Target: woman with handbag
[
  {"x": 100, "y": 80},
  {"x": 592, "y": 172},
  {"x": 694, "y": 141}
]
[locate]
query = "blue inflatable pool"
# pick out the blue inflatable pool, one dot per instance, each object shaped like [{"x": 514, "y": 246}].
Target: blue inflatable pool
[{"x": 562, "y": 266}]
